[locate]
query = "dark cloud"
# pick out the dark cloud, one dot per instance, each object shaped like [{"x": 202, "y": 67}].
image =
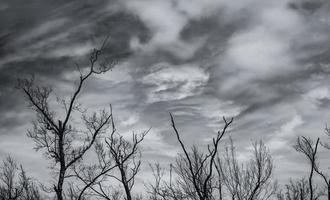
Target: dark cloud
[{"x": 41, "y": 38}]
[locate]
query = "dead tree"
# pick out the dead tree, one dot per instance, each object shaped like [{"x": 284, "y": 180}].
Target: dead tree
[
  {"x": 325, "y": 177},
  {"x": 127, "y": 158},
  {"x": 55, "y": 134},
  {"x": 251, "y": 180},
  {"x": 15, "y": 184},
  {"x": 92, "y": 176},
  {"x": 155, "y": 190},
  {"x": 296, "y": 190},
  {"x": 307, "y": 147},
  {"x": 165, "y": 190},
  {"x": 117, "y": 158},
  {"x": 179, "y": 186},
  {"x": 9, "y": 189},
  {"x": 195, "y": 169}
]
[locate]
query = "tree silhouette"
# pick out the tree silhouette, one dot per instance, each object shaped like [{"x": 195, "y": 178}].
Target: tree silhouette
[
  {"x": 195, "y": 171},
  {"x": 15, "y": 184},
  {"x": 251, "y": 180},
  {"x": 307, "y": 147},
  {"x": 297, "y": 190},
  {"x": 118, "y": 159},
  {"x": 58, "y": 136},
  {"x": 325, "y": 177}
]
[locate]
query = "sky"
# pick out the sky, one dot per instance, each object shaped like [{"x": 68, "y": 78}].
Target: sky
[{"x": 264, "y": 62}]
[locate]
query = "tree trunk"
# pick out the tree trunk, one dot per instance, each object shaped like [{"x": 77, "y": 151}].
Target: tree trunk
[
  {"x": 311, "y": 184},
  {"x": 125, "y": 184},
  {"x": 329, "y": 190},
  {"x": 59, "y": 189}
]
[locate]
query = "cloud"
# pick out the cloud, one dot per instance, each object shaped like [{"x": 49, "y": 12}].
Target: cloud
[
  {"x": 258, "y": 52},
  {"x": 167, "y": 22},
  {"x": 155, "y": 145},
  {"x": 280, "y": 138},
  {"x": 316, "y": 95},
  {"x": 43, "y": 29},
  {"x": 167, "y": 82},
  {"x": 72, "y": 51},
  {"x": 130, "y": 120},
  {"x": 262, "y": 50}
]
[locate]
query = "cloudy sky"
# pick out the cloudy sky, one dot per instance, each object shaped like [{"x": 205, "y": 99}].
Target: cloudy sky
[{"x": 264, "y": 62}]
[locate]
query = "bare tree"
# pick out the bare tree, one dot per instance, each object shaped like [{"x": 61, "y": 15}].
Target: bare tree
[
  {"x": 205, "y": 176},
  {"x": 192, "y": 176},
  {"x": 165, "y": 190},
  {"x": 56, "y": 135},
  {"x": 15, "y": 184},
  {"x": 92, "y": 176},
  {"x": 325, "y": 177},
  {"x": 117, "y": 158},
  {"x": 307, "y": 147},
  {"x": 127, "y": 158},
  {"x": 251, "y": 180},
  {"x": 155, "y": 190},
  {"x": 297, "y": 190},
  {"x": 196, "y": 169}
]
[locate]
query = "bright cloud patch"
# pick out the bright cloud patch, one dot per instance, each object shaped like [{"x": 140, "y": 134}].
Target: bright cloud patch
[
  {"x": 318, "y": 93},
  {"x": 214, "y": 110},
  {"x": 167, "y": 22},
  {"x": 287, "y": 130},
  {"x": 263, "y": 50},
  {"x": 258, "y": 51},
  {"x": 168, "y": 82},
  {"x": 155, "y": 144}
]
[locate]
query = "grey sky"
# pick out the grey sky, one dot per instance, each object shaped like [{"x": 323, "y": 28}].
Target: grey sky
[{"x": 264, "y": 62}]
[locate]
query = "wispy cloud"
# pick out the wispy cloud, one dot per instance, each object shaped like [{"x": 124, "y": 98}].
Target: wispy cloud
[{"x": 165, "y": 82}]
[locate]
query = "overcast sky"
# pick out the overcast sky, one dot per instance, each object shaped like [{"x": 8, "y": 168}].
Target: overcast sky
[{"x": 264, "y": 62}]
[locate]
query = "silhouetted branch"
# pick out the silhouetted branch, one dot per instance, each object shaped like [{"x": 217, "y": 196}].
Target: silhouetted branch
[
  {"x": 197, "y": 168},
  {"x": 306, "y": 146},
  {"x": 56, "y": 136}
]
